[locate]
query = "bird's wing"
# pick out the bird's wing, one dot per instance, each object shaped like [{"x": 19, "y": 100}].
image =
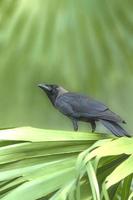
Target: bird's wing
[
  {"x": 84, "y": 107},
  {"x": 81, "y": 103}
]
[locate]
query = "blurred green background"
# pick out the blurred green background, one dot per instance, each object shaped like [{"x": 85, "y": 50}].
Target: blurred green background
[{"x": 85, "y": 46}]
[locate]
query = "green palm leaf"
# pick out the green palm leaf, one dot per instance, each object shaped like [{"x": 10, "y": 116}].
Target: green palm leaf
[{"x": 38, "y": 163}]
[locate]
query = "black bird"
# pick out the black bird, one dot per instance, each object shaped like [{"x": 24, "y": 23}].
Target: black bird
[{"x": 83, "y": 108}]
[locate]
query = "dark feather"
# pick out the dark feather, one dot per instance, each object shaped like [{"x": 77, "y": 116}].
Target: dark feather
[
  {"x": 84, "y": 107},
  {"x": 115, "y": 128}
]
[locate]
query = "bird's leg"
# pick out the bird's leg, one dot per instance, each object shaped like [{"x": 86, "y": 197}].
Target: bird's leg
[
  {"x": 75, "y": 124},
  {"x": 93, "y": 126}
]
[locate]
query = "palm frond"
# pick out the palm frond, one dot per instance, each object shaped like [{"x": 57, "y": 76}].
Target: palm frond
[{"x": 37, "y": 164}]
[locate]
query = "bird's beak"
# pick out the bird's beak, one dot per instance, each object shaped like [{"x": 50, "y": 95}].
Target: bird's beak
[{"x": 44, "y": 87}]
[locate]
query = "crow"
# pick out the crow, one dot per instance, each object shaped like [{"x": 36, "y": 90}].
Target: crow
[{"x": 79, "y": 107}]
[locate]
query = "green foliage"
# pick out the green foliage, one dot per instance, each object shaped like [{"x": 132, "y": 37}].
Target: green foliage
[
  {"x": 58, "y": 165},
  {"x": 84, "y": 45}
]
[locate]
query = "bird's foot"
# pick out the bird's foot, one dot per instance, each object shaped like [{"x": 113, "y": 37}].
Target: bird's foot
[{"x": 93, "y": 126}]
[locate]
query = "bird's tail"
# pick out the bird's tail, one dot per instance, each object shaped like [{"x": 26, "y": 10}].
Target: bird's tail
[{"x": 115, "y": 128}]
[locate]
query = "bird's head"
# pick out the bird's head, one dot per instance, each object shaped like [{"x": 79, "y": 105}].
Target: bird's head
[{"x": 52, "y": 91}]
